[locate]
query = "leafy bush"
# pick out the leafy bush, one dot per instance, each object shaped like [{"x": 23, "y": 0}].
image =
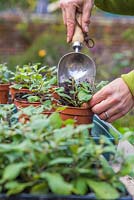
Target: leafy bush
[
  {"x": 33, "y": 76},
  {"x": 42, "y": 156}
]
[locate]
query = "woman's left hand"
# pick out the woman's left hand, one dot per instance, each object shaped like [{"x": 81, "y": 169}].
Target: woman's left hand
[{"x": 113, "y": 101}]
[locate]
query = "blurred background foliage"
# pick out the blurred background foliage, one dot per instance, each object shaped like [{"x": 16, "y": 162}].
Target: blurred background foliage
[
  {"x": 23, "y": 4},
  {"x": 28, "y": 37}
]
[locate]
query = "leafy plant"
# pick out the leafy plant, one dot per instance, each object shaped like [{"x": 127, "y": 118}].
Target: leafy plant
[
  {"x": 33, "y": 76},
  {"x": 75, "y": 94},
  {"x": 5, "y": 74},
  {"x": 45, "y": 98},
  {"x": 42, "y": 156}
]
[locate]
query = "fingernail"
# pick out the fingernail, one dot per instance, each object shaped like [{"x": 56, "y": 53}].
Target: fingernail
[{"x": 86, "y": 29}]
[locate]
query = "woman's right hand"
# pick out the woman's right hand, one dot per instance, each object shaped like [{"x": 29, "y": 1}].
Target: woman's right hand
[{"x": 69, "y": 10}]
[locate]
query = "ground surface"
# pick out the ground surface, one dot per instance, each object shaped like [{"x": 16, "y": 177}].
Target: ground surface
[{"x": 128, "y": 149}]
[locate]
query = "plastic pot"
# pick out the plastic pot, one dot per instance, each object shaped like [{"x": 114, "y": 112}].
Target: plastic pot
[
  {"x": 4, "y": 92},
  {"x": 82, "y": 115}
]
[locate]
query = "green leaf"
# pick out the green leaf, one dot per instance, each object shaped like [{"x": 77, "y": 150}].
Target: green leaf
[
  {"x": 64, "y": 95},
  {"x": 55, "y": 120},
  {"x": 81, "y": 186},
  {"x": 107, "y": 169},
  {"x": 47, "y": 105},
  {"x": 127, "y": 166},
  {"x": 11, "y": 185},
  {"x": 83, "y": 127},
  {"x": 57, "y": 183},
  {"x": 17, "y": 86},
  {"x": 12, "y": 171},
  {"x": 40, "y": 188},
  {"x": 69, "y": 122},
  {"x": 32, "y": 99},
  {"x": 84, "y": 96},
  {"x": 16, "y": 187},
  {"x": 103, "y": 190},
  {"x": 61, "y": 161}
]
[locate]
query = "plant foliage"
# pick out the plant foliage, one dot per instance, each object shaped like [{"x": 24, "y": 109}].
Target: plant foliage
[
  {"x": 42, "y": 156},
  {"x": 5, "y": 74}
]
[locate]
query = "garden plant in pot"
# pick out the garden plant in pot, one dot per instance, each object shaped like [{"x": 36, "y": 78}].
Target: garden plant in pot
[
  {"x": 42, "y": 94},
  {"x": 30, "y": 77},
  {"x": 45, "y": 160},
  {"x": 74, "y": 99},
  {"x": 5, "y": 78}
]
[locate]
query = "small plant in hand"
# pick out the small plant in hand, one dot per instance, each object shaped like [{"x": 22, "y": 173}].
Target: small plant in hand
[
  {"x": 43, "y": 157},
  {"x": 76, "y": 94},
  {"x": 75, "y": 97}
]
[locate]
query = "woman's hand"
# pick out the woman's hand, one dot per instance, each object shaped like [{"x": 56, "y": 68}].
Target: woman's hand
[
  {"x": 69, "y": 10},
  {"x": 112, "y": 101}
]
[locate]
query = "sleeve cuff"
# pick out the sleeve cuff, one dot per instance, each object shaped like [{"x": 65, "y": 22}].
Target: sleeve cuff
[{"x": 129, "y": 80}]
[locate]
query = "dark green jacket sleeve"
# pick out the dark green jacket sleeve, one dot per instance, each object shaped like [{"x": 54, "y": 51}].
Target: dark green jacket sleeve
[
  {"x": 123, "y": 7},
  {"x": 129, "y": 80}
]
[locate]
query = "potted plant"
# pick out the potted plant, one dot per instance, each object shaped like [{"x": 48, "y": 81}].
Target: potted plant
[
  {"x": 45, "y": 160},
  {"x": 5, "y": 75},
  {"x": 43, "y": 94},
  {"x": 30, "y": 78},
  {"x": 74, "y": 98}
]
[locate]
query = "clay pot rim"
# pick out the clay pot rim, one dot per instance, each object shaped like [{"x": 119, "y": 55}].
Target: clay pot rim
[
  {"x": 76, "y": 108},
  {"x": 11, "y": 87},
  {"x": 5, "y": 84}
]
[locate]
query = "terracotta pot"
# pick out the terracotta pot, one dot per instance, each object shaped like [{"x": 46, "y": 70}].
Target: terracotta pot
[
  {"x": 14, "y": 91},
  {"x": 54, "y": 94},
  {"x": 82, "y": 115},
  {"x": 23, "y": 104},
  {"x": 4, "y": 92},
  {"x": 23, "y": 118}
]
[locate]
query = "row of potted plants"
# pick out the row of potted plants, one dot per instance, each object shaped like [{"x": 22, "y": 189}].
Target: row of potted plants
[
  {"x": 43, "y": 157},
  {"x": 36, "y": 85}
]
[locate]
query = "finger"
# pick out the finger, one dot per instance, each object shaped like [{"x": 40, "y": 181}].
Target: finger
[
  {"x": 111, "y": 112},
  {"x": 63, "y": 12},
  {"x": 87, "y": 8},
  {"x": 115, "y": 117},
  {"x": 70, "y": 21},
  {"x": 108, "y": 103},
  {"x": 98, "y": 97},
  {"x": 120, "y": 114}
]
